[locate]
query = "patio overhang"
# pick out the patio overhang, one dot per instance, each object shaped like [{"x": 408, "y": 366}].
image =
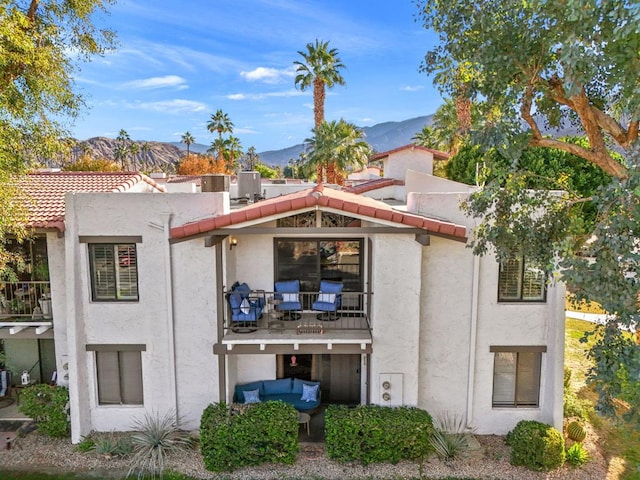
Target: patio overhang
[
  {"x": 291, "y": 348},
  {"x": 26, "y": 330}
]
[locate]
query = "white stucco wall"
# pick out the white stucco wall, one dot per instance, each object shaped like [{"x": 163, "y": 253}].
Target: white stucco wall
[
  {"x": 395, "y": 315},
  {"x": 449, "y": 361},
  {"x": 183, "y": 322},
  {"x": 397, "y": 163}
]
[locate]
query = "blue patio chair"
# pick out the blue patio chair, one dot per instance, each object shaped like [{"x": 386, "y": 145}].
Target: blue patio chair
[
  {"x": 288, "y": 293},
  {"x": 246, "y": 308},
  {"x": 329, "y": 300}
]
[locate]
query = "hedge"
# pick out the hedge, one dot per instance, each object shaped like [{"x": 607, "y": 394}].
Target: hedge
[
  {"x": 241, "y": 435},
  {"x": 369, "y": 433}
]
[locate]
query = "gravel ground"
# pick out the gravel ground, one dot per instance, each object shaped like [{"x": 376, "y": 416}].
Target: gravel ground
[{"x": 35, "y": 452}]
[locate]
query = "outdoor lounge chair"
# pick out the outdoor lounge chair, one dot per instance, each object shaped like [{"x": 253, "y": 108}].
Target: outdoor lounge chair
[
  {"x": 288, "y": 292},
  {"x": 246, "y": 308},
  {"x": 329, "y": 300}
]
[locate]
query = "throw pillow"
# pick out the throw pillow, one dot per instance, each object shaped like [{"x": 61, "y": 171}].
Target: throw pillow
[
  {"x": 245, "y": 306},
  {"x": 289, "y": 297},
  {"x": 251, "y": 396},
  {"x": 309, "y": 393},
  {"x": 327, "y": 297}
]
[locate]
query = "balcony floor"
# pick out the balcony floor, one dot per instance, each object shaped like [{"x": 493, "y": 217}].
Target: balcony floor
[{"x": 305, "y": 333}]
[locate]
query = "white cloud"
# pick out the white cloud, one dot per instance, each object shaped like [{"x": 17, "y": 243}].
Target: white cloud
[
  {"x": 158, "y": 82},
  {"x": 177, "y": 106},
  {"x": 268, "y": 75},
  {"x": 261, "y": 96},
  {"x": 412, "y": 88}
]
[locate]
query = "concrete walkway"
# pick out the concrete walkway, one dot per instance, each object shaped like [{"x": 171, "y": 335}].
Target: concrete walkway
[{"x": 599, "y": 318}]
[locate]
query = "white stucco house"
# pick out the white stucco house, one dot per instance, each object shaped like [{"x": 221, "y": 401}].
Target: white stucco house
[{"x": 141, "y": 323}]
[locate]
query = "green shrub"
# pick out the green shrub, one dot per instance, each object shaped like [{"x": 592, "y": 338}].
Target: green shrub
[
  {"x": 370, "y": 433},
  {"x": 236, "y": 436},
  {"x": 576, "y": 455},
  {"x": 154, "y": 439},
  {"x": 86, "y": 445},
  {"x": 575, "y": 407},
  {"x": 49, "y": 407},
  {"x": 536, "y": 445}
]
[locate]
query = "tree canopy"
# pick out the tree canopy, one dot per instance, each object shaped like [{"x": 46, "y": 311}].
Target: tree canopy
[
  {"x": 42, "y": 44},
  {"x": 543, "y": 63},
  {"x": 338, "y": 146}
]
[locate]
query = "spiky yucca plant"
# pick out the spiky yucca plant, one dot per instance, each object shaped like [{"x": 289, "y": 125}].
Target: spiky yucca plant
[
  {"x": 154, "y": 439},
  {"x": 450, "y": 435}
]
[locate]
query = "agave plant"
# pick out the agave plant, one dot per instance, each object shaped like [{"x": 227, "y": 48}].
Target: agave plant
[
  {"x": 156, "y": 436},
  {"x": 450, "y": 436}
]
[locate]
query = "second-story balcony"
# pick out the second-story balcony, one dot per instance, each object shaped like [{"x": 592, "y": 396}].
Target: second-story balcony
[
  {"x": 264, "y": 326},
  {"x": 25, "y": 304}
]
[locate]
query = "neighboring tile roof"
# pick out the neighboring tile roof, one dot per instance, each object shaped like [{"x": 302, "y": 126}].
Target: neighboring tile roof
[
  {"x": 47, "y": 190},
  {"x": 373, "y": 185},
  {"x": 437, "y": 154},
  {"x": 319, "y": 196}
]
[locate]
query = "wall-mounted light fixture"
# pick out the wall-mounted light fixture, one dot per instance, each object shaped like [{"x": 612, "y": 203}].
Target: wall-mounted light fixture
[{"x": 233, "y": 241}]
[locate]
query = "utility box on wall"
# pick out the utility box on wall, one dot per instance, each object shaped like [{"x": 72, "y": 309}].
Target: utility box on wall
[{"x": 391, "y": 388}]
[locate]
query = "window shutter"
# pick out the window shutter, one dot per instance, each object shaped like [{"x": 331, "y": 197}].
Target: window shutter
[
  {"x": 533, "y": 283},
  {"x": 127, "y": 272},
  {"x": 509, "y": 279},
  {"x": 103, "y": 269}
]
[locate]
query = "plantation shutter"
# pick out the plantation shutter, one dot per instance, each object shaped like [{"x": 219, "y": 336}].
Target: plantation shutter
[
  {"x": 127, "y": 272},
  {"x": 509, "y": 279},
  {"x": 103, "y": 271},
  {"x": 533, "y": 284}
]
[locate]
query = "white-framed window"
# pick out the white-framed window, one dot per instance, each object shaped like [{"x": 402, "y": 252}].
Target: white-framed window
[
  {"x": 119, "y": 374},
  {"x": 516, "y": 375},
  {"x": 114, "y": 272},
  {"x": 521, "y": 281}
]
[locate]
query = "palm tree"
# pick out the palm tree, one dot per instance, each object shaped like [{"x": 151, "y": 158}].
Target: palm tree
[
  {"x": 134, "y": 149},
  {"x": 340, "y": 146},
  {"x": 221, "y": 123},
  {"x": 431, "y": 137},
  {"x": 188, "y": 139},
  {"x": 234, "y": 151},
  {"x": 145, "y": 148},
  {"x": 122, "y": 147},
  {"x": 320, "y": 68},
  {"x": 251, "y": 158}
]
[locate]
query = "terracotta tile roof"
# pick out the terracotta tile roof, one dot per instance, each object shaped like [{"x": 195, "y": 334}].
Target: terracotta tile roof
[
  {"x": 373, "y": 185},
  {"x": 47, "y": 191},
  {"x": 437, "y": 154},
  {"x": 319, "y": 196}
]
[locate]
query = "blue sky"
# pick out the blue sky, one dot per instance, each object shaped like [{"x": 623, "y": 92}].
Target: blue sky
[{"x": 178, "y": 61}]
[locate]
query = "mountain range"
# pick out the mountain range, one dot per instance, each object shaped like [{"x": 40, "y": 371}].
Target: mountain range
[{"x": 165, "y": 155}]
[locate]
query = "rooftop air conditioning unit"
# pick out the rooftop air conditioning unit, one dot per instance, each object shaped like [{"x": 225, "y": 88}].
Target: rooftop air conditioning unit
[{"x": 249, "y": 185}]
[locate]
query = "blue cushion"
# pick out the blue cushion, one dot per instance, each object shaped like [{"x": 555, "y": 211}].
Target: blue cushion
[
  {"x": 330, "y": 287},
  {"x": 251, "y": 396},
  {"x": 276, "y": 387},
  {"x": 248, "y": 386},
  {"x": 297, "y": 385},
  {"x": 289, "y": 286},
  {"x": 293, "y": 399},
  {"x": 309, "y": 393}
]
